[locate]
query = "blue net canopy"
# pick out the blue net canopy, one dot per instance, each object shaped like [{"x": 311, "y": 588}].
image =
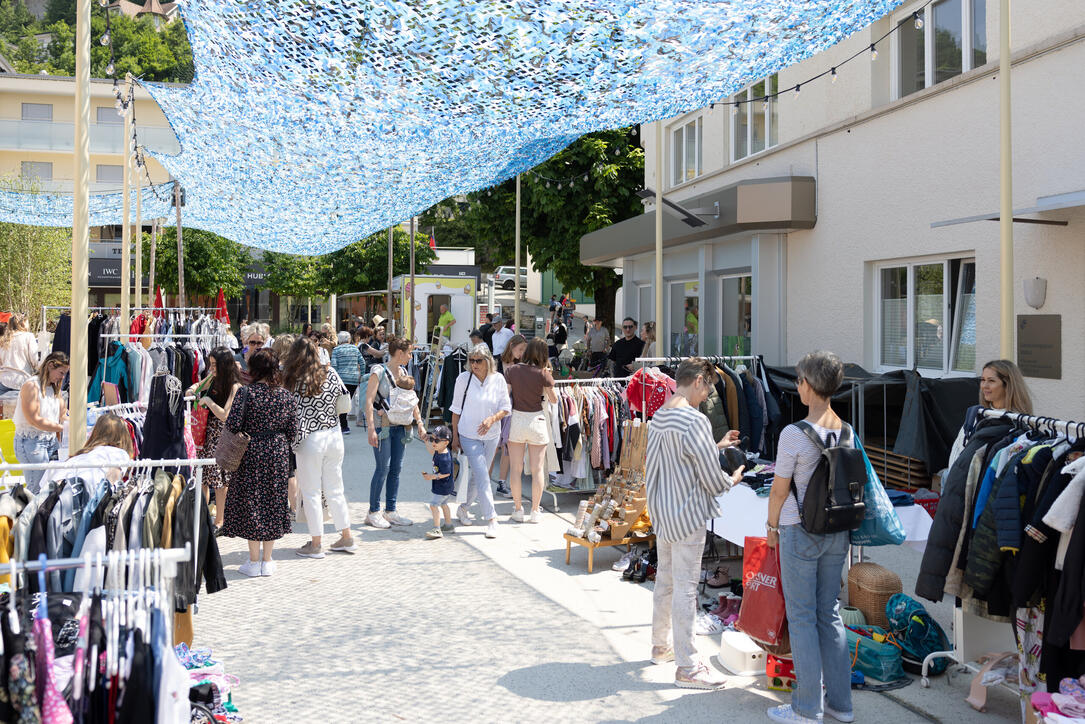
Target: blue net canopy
[{"x": 313, "y": 123}]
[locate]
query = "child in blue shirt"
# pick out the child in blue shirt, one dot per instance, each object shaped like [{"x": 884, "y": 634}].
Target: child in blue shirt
[{"x": 442, "y": 483}]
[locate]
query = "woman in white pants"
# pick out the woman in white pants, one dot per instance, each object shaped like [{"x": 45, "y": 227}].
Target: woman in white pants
[
  {"x": 479, "y": 403},
  {"x": 318, "y": 445}
]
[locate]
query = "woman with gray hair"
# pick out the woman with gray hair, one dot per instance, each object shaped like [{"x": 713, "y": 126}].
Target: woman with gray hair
[
  {"x": 479, "y": 402},
  {"x": 811, "y": 564}
]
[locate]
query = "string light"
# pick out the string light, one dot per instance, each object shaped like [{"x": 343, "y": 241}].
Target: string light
[
  {"x": 918, "y": 20},
  {"x": 104, "y": 40},
  {"x": 798, "y": 88},
  {"x": 873, "y": 53},
  {"x": 833, "y": 74}
]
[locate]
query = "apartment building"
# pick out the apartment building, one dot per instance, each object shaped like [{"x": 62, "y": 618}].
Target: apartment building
[
  {"x": 36, "y": 145},
  {"x": 854, "y": 212}
]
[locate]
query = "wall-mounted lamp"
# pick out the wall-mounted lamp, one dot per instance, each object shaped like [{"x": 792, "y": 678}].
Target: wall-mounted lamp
[{"x": 1035, "y": 292}]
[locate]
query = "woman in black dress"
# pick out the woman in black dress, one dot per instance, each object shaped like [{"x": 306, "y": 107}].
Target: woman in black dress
[
  {"x": 218, "y": 390},
  {"x": 256, "y": 501}
]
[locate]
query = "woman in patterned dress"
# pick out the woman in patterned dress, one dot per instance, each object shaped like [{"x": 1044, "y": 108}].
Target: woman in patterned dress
[
  {"x": 224, "y": 375},
  {"x": 256, "y": 504},
  {"x": 318, "y": 445}
]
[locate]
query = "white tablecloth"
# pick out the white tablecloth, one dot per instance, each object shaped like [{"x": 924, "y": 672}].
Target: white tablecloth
[{"x": 744, "y": 514}]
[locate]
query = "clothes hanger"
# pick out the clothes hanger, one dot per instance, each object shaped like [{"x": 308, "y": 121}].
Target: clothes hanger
[{"x": 13, "y": 614}]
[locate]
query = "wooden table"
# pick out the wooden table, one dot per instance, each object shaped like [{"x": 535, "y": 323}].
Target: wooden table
[{"x": 604, "y": 543}]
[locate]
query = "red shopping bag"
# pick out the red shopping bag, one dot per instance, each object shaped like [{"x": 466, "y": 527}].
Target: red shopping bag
[
  {"x": 199, "y": 425},
  {"x": 762, "y": 616}
]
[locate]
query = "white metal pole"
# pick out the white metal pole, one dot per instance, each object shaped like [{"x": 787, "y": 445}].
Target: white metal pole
[
  {"x": 139, "y": 238},
  {"x": 1006, "y": 187},
  {"x": 412, "y": 332},
  {"x": 516, "y": 288},
  {"x": 151, "y": 290},
  {"x": 660, "y": 327},
  {"x": 80, "y": 230},
  {"x": 180, "y": 247},
  {"x": 126, "y": 206},
  {"x": 391, "y": 314}
]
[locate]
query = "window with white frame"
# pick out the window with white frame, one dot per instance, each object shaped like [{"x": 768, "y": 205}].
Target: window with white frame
[
  {"x": 109, "y": 173},
  {"x": 939, "y": 42},
  {"x": 754, "y": 119},
  {"x": 686, "y": 151},
  {"x": 37, "y": 112},
  {"x": 927, "y": 315},
  {"x": 107, "y": 116}
]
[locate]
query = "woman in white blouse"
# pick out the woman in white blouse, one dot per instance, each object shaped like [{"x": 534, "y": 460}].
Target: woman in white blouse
[
  {"x": 19, "y": 354},
  {"x": 479, "y": 402},
  {"x": 40, "y": 416}
]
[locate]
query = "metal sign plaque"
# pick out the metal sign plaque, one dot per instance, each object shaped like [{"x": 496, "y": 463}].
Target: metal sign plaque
[{"x": 1039, "y": 345}]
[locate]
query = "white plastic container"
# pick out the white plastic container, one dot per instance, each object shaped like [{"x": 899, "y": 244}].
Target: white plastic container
[{"x": 740, "y": 655}]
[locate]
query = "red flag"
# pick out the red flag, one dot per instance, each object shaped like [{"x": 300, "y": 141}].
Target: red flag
[
  {"x": 221, "y": 314},
  {"x": 158, "y": 304},
  {"x": 432, "y": 241}
]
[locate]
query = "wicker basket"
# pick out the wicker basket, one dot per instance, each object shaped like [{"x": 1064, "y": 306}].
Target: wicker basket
[{"x": 870, "y": 587}]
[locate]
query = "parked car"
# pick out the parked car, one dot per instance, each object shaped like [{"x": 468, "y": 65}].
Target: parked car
[{"x": 505, "y": 276}]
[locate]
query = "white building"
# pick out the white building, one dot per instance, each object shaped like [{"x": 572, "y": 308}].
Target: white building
[{"x": 828, "y": 201}]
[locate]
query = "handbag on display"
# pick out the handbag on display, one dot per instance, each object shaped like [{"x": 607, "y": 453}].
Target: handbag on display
[{"x": 232, "y": 445}]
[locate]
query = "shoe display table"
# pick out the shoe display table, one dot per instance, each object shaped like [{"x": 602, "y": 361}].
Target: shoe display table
[{"x": 605, "y": 543}]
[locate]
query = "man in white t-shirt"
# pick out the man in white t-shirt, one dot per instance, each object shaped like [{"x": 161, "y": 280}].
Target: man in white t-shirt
[{"x": 501, "y": 337}]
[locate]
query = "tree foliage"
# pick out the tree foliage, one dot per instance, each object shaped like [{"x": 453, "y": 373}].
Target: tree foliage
[
  {"x": 211, "y": 262},
  {"x": 294, "y": 275},
  {"x": 363, "y": 266},
  {"x": 139, "y": 48},
  {"x": 35, "y": 263}
]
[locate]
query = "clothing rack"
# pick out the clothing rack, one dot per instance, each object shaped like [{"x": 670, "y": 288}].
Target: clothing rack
[
  {"x": 117, "y": 308},
  {"x": 168, "y": 558},
  {"x": 711, "y": 358},
  {"x": 979, "y": 633},
  {"x": 591, "y": 381}
]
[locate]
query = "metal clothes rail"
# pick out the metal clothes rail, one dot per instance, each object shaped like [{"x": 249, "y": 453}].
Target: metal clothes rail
[
  {"x": 168, "y": 558},
  {"x": 117, "y": 308},
  {"x": 591, "y": 381},
  {"x": 983, "y": 631}
]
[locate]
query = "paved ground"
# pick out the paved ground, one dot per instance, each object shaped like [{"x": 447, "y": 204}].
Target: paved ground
[{"x": 467, "y": 629}]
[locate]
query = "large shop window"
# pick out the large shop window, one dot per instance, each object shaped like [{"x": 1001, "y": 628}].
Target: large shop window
[
  {"x": 754, "y": 122},
  {"x": 686, "y": 151},
  {"x": 927, "y": 315},
  {"x": 736, "y": 307},
  {"x": 685, "y": 318},
  {"x": 951, "y": 38}
]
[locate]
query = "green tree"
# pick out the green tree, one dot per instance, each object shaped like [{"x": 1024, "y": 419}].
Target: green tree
[
  {"x": 16, "y": 22},
  {"x": 293, "y": 275},
  {"x": 363, "y": 265},
  {"x": 211, "y": 262},
  {"x": 585, "y": 187},
  {"x": 35, "y": 263},
  {"x": 60, "y": 11}
]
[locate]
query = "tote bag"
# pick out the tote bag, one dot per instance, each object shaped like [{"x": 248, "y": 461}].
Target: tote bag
[
  {"x": 763, "y": 615},
  {"x": 881, "y": 526}
]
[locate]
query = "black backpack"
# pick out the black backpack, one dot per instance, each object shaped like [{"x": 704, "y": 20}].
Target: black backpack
[{"x": 834, "y": 495}]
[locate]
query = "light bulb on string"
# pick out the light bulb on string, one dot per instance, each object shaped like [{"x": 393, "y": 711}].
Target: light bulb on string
[
  {"x": 104, "y": 40},
  {"x": 832, "y": 74},
  {"x": 585, "y": 177},
  {"x": 103, "y": 3},
  {"x": 736, "y": 108},
  {"x": 109, "y": 68},
  {"x": 765, "y": 103},
  {"x": 918, "y": 20},
  {"x": 873, "y": 53},
  {"x": 559, "y": 187},
  {"x": 547, "y": 184},
  {"x": 798, "y": 89}
]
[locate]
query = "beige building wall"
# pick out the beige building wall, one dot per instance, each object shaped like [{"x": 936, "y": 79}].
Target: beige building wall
[{"x": 886, "y": 169}]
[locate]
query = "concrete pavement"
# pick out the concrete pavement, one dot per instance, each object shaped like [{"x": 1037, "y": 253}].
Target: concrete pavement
[{"x": 468, "y": 629}]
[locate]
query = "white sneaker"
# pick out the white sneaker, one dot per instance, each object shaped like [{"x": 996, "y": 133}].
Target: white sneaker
[
  {"x": 786, "y": 715},
  {"x": 839, "y": 715},
  {"x": 267, "y": 568},
  {"x": 708, "y": 625},
  {"x": 463, "y": 516},
  {"x": 377, "y": 521},
  {"x": 535, "y": 517},
  {"x": 491, "y": 528},
  {"x": 517, "y": 516},
  {"x": 623, "y": 562},
  {"x": 396, "y": 519},
  {"x": 250, "y": 569}
]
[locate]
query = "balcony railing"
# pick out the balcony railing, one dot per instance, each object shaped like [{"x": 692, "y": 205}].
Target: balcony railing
[{"x": 18, "y": 135}]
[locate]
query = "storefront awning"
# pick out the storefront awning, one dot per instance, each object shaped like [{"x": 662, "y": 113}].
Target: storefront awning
[
  {"x": 770, "y": 204},
  {"x": 1044, "y": 204}
]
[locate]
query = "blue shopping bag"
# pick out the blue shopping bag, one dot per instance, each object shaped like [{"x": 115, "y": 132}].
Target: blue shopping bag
[{"x": 881, "y": 526}]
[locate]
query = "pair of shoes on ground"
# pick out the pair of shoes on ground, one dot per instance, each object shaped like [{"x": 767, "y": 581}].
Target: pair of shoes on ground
[
  {"x": 439, "y": 531},
  {"x": 698, "y": 676},
  {"x": 518, "y": 517},
  {"x": 503, "y": 489},
  {"x": 255, "y": 569},
  {"x": 786, "y": 715},
  {"x": 387, "y": 519},
  {"x": 343, "y": 545}
]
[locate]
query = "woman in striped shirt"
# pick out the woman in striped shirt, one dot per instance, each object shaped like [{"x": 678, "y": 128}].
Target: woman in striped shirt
[{"x": 683, "y": 478}]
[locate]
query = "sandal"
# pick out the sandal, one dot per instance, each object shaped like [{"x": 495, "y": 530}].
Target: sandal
[{"x": 720, "y": 578}]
